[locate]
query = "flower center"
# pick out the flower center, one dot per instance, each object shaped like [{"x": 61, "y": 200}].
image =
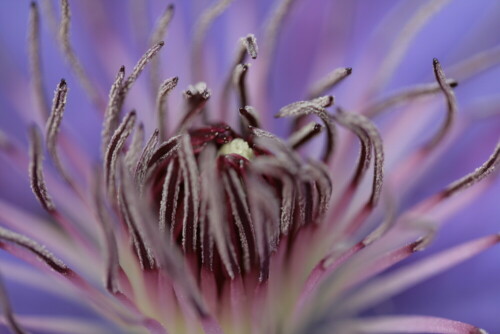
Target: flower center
[{"x": 227, "y": 202}]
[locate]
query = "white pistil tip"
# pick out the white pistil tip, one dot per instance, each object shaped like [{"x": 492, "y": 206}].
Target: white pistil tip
[{"x": 237, "y": 146}]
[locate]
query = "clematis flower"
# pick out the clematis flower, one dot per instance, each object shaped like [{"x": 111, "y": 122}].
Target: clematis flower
[{"x": 169, "y": 210}]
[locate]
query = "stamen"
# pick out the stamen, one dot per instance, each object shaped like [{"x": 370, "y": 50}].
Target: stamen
[
  {"x": 188, "y": 163},
  {"x": 35, "y": 248},
  {"x": 403, "y": 278},
  {"x": 115, "y": 145},
  {"x": 387, "y": 223},
  {"x": 36, "y": 61},
  {"x": 451, "y": 102},
  {"x": 323, "y": 101},
  {"x": 71, "y": 57},
  {"x": 303, "y": 135},
  {"x": 176, "y": 201},
  {"x": 239, "y": 76},
  {"x": 476, "y": 64},
  {"x": 250, "y": 116},
  {"x": 241, "y": 197},
  {"x": 139, "y": 67},
  {"x": 185, "y": 201},
  {"x": 161, "y": 104},
  {"x": 323, "y": 85},
  {"x": 287, "y": 204},
  {"x": 142, "y": 163},
  {"x": 366, "y": 147},
  {"x": 158, "y": 35},
  {"x": 284, "y": 153},
  {"x": 166, "y": 199},
  {"x": 237, "y": 219},
  {"x": 112, "y": 259},
  {"x": 128, "y": 210},
  {"x": 7, "y": 311},
  {"x": 479, "y": 174},
  {"x": 321, "y": 175},
  {"x": 212, "y": 194},
  {"x": 315, "y": 107},
  {"x": 112, "y": 110},
  {"x": 196, "y": 96},
  {"x": 275, "y": 24},
  {"x": 202, "y": 25},
  {"x": 406, "y": 95},
  {"x": 36, "y": 171},
  {"x": 164, "y": 151},
  {"x": 291, "y": 175},
  {"x": 359, "y": 122},
  {"x": 54, "y": 124},
  {"x": 134, "y": 150},
  {"x": 403, "y": 41},
  {"x": 248, "y": 46},
  {"x": 265, "y": 210}
]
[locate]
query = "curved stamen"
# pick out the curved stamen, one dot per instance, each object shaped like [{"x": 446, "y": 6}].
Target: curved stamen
[
  {"x": 36, "y": 61},
  {"x": 206, "y": 19},
  {"x": 112, "y": 259},
  {"x": 36, "y": 171},
  {"x": 192, "y": 189},
  {"x": 479, "y": 174},
  {"x": 451, "y": 102},
  {"x": 250, "y": 116},
  {"x": 303, "y": 135},
  {"x": 115, "y": 145},
  {"x": 134, "y": 150},
  {"x": 142, "y": 162},
  {"x": 158, "y": 34},
  {"x": 196, "y": 96},
  {"x": 216, "y": 214},
  {"x": 316, "y": 107},
  {"x": 274, "y": 25},
  {"x": 403, "y": 41},
  {"x": 323, "y": 85},
  {"x": 35, "y": 248},
  {"x": 7, "y": 311},
  {"x": 239, "y": 75},
  {"x": 139, "y": 67},
  {"x": 406, "y": 95},
  {"x": 128, "y": 209},
  {"x": 370, "y": 139},
  {"x": 161, "y": 104},
  {"x": 53, "y": 126},
  {"x": 112, "y": 110},
  {"x": 247, "y": 46},
  {"x": 71, "y": 57}
]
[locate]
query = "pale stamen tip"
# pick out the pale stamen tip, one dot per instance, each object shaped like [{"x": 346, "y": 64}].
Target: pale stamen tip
[{"x": 237, "y": 146}]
